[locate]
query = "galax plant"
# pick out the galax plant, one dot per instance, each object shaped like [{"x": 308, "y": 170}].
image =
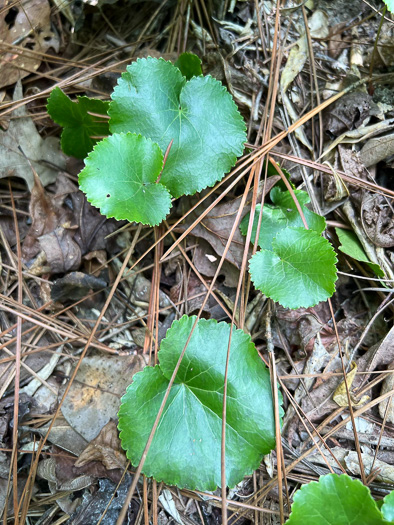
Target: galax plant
[{"x": 171, "y": 132}]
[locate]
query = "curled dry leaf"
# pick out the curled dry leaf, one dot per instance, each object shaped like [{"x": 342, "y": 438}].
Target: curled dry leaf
[
  {"x": 105, "y": 448},
  {"x": 340, "y": 395},
  {"x": 377, "y": 149}
]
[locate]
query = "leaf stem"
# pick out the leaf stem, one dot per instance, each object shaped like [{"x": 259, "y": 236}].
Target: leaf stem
[{"x": 164, "y": 160}]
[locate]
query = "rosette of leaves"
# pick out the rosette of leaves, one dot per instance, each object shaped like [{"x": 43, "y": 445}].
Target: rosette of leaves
[
  {"x": 339, "y": 500},
  {"x": 154, "y": 99},
  {"x": 176, "y": 109},
  {"x": 295, "y": 266},
  {"x": 186, "y": 446}
]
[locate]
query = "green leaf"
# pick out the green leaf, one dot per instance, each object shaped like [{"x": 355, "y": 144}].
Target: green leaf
[
  {"x": 387, "y": 508},
  {"x": 334, "y": 500},
  {"x": 283, "y": 214},
  {"x": 189, "y": 65},
  {"x": 352, "y": 247},
  {"x": 299, "y": 271},
  {"x": 271, "y": 170},
  {"x": 79, "y": 126},
  {"x": 390, "y": 5},
  {"x": 186, "y": 447},
  {"x": 154, "y": 99},
  {"x": 120, "y": 178}
]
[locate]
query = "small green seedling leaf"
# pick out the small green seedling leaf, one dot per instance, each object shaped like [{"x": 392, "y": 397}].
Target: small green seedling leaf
[
  {"x": 186, "y": 447},
  {"x": 335, "y": 500},
  {"x": 283, "y": 214},
  {"x": 298, "y": 272},
  {"x": 352, "y": 247},
  {"x": 79, "y": 125},
  {"x": 120, "y": 177},
  {"x": 189, "y": 65},
  {"x": 387, "y": 509},
  {"x": 200, "y": 117}
]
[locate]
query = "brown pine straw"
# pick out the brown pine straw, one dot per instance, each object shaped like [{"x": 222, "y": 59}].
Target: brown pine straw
[
  {"x": 102, "y": 313},
  {"x": 258, "y": 156}
]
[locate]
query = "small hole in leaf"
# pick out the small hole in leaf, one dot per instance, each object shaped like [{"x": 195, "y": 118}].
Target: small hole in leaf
[{"x": 108, "y": 195}]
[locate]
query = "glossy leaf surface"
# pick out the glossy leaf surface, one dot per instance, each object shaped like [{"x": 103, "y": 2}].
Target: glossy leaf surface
[
  {"x": 334, "y": 500},
  {"x": 282, "y": 214},
  {"x": 154, "y": 99},
  {"x": 120, "y": 177},
  {"x": 186, "y": 448},
  {"x": 298, "y": 272}
]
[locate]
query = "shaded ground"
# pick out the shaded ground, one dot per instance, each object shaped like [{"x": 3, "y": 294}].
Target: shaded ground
[{"x": 66, "y": 329}]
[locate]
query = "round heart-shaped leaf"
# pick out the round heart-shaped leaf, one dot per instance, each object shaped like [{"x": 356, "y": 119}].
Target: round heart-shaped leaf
[
  {"x": 186, "y": 447},
  {"x": 120, "y": 178},
  {"x": 199, "y": 116},
  {"x": 335, "y": 500},
  {"x": 283, "y": 214},
  {"x": 298, "y": 272}
]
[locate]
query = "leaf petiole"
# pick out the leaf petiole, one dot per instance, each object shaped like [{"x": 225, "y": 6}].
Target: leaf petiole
[{"x": 164, "y": 160}]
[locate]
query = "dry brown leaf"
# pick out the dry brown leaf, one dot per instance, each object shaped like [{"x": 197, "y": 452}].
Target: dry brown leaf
[
  {"x": 377, "y": 149},
  {"x": 43, "y": 153},
  {"x": 94, "y": 397},
  {"x": 105, "y": 448},
  {"x": 295, "y": 62},
  {"x": 26, "y": 31},
  {"x": 340, "y": 395}
]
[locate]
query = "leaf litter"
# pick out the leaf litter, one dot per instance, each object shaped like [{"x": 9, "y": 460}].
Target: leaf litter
[{"x": 71, "y": 255}]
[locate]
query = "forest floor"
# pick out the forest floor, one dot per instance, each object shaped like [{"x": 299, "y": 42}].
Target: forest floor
[{"x": 81, "y": 312}]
